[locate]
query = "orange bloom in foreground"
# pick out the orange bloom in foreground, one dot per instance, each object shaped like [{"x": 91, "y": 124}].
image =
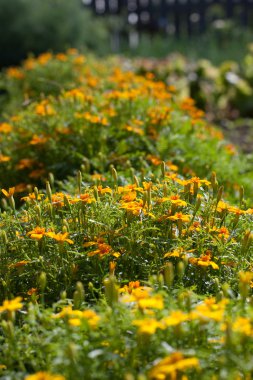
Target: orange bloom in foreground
[
  {"x": 37, "y": 233},
  {"x": 44, "y": 376}
]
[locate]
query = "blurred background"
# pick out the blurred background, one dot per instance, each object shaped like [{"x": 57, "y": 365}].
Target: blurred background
[{"x": 216, "y": 30}]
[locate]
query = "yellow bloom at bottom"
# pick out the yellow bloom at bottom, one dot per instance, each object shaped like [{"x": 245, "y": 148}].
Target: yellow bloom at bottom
[
  {"x": 168, "y": 367},
  {"x": 44, "y": 376}
]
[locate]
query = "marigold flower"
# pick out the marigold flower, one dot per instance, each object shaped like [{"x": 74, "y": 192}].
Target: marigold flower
[
  {"x": 152, "y": 302},
  {"x": 75, "y": 317},
  {"x": 102, "y": 250},
  {"x": 19, "y": 264},
  {"x": 245, "y": 277},
  {"x": 209, "y": 310},
  {"x": 25, "y": 163},
  {"x": 32, "y": 291},
  {"x": 14, "y": 72},
  {"x": 60, "y": 238},
  {"x": 172, "y": 364},
  {"x": 44, "y": 376},
  {"x": 147, "y": 326},
  {"x": 9, "y": 193},
  {"x": 175, "y": 318},
  {"x": 243, "y": 325},
  {"x": 179, "y": 216},
  {"x": 44, "y": 109},
  {"x": 204, "y": 261},
  {"x": 36, "y": 140},
  {"x": 4, "y": 158},
  {"x": 11, "y": 305},
  {"x": 87, "y": 198},
  {"x": 37, "y": 173},
  {"x": 37, "y": 233}
]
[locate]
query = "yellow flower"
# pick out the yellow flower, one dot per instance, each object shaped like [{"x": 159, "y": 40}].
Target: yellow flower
[
  {"x": 155, "y": 302},
  {"x": 170, "y": 365},
  {"x": 209, "y": 310},
  {"x": 11, "y": 305},
  {"x": 4, "y": 158},
  {"x": 204, "y": 261},
  {"x": 246, "y": 277},
  {"x": 243, "y": 325},
  {"x": 9, "y": 193},
  {"x": 179, "y": 216},
  {"x": 76, "y": 317},
  {"x": 179, "y": 252},
  {"x": 175, "y": 318},
  {"x": 44, "y": 376},
  {"x": 60, "y": 238},
  {"x": 148, "y": 325}
]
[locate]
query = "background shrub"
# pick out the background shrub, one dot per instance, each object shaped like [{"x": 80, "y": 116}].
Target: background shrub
[{"x": 36, "y": 26}]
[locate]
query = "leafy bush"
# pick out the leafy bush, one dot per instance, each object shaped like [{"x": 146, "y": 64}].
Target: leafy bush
[{"x": 34, "y": 26}]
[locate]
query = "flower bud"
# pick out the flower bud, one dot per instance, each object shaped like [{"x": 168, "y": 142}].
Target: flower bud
[
  {"x": 163, "y": 169},
  {"x": 79, "y": 181},
  {"x": 49, "y": 191},
  {"x": 42, "y": 281},
  {"x": 78, "y": 295},
  {"x": 168, "y": 274},
  {"x": 111, "y": 290},
  {"x": 180, "y": 270}
]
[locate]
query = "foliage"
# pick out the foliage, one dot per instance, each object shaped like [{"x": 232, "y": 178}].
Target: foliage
[
  {"x": 112, "y": 117},
  {"x": 138, "y": 267},
  {"x": 37, "y": 26}
]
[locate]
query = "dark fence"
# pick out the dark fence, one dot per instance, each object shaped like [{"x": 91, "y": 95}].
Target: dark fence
[{"x": 178, "y": 17}]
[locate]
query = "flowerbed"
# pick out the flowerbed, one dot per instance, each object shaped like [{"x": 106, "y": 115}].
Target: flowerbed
[{"x": 125, "y": 234}]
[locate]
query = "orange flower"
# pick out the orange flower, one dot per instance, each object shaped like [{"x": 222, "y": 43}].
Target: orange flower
[
  {"x": 13, "y": 72},
  {"x": 32, "y": 291},
  {"x": 37, "y": 173},
  {"x": 19, "y": 264},
  {"x": 179, "y": 216},
  {"x": 102, "y": 250},
  {"x": 87, "y": 198},
  {"x": 5, "y": 128},
  {"x": 36, "y": 140},
  {"x": 25, "y": 163},
  {"x": 44, "y": 109},
  {"x": 204, "y": 261},
  {"x": 4, "y": 158},
  {"x": 37, "y": 233}
]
